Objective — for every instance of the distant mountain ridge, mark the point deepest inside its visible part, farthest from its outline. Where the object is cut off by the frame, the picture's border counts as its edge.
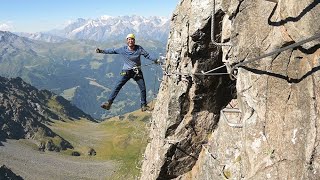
(108, 28)
(42, 36)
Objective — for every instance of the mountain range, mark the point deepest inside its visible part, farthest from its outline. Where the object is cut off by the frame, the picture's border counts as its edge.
(108, 28)
(68, 65)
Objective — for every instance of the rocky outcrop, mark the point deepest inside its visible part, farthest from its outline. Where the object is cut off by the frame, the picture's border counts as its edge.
(25, 111)
(275, 135)
(6, 173)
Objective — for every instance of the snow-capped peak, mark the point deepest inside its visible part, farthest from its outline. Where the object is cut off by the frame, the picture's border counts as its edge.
(105, 17)
(116, 27)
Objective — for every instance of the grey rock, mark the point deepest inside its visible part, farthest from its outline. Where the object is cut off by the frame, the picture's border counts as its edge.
(75, 153)
(278, 96)
(92, 152)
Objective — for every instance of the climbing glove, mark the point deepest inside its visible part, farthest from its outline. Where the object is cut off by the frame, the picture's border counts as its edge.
(99, 50)
(160, 60)
(157, 61)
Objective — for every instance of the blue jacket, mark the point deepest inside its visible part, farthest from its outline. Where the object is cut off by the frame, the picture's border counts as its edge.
(131, 58)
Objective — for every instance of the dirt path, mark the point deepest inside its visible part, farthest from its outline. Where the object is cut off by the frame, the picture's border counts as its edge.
(31, 164)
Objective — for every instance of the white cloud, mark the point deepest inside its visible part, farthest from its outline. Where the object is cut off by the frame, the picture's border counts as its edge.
(7, 26)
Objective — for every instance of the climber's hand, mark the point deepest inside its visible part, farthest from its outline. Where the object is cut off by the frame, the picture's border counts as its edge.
(157, 61)
(99, 50)
(160, 60)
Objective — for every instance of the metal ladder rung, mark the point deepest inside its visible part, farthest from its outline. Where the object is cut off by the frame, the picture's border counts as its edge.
(232, 110)
(275, 1)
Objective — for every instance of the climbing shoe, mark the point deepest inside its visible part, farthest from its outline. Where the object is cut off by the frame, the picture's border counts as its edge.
(106, 105)
(145, 108)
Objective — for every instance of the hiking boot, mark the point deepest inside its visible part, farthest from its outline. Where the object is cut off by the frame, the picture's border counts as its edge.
(145, 108)
(106, 105)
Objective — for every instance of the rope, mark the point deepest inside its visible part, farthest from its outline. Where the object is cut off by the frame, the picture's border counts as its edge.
(212, 27)
(197, 74)
(202, 73)
(277, 51)
(213, 69)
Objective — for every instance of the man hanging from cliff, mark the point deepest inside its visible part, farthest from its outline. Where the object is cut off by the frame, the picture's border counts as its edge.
(131, 69)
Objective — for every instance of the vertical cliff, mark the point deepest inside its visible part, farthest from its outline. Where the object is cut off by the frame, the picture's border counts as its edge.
(262, 125)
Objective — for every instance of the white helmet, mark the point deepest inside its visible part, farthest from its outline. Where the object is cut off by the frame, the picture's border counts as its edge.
(131, 36)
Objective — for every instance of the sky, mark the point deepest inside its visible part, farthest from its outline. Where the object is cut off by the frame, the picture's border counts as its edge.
(43, 15)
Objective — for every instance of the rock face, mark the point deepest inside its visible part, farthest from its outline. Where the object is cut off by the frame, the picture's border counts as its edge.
(263, 125)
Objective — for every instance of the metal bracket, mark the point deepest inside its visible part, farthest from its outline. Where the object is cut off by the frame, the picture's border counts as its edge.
(275, 1)
(231, 110)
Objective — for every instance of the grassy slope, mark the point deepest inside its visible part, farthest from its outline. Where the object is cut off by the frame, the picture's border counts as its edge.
(114, 139)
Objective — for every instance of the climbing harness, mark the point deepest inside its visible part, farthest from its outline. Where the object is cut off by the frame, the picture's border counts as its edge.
(136, 69)
(123, 73)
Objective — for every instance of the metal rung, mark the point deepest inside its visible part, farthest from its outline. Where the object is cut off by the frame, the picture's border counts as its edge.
(275, 1)
(235, 125)
(235, 110)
